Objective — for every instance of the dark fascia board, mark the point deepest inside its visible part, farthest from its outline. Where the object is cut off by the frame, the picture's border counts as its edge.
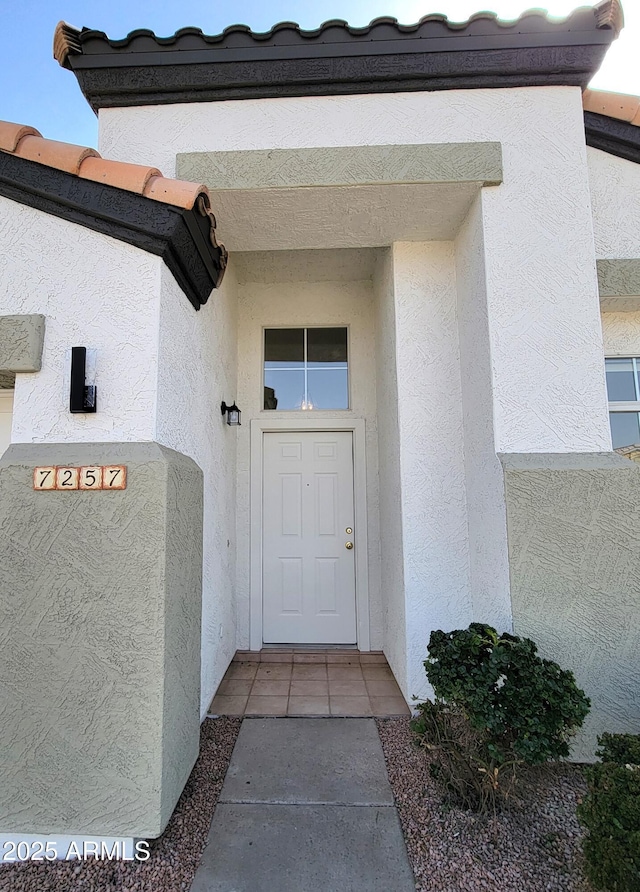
(434, 54)
(182, 238)
(613, 136)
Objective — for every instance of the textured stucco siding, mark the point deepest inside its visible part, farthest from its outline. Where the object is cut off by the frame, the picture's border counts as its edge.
(618, 278)
(484, 485)
(574, 550)
(196, 372)
(391, 495)
(291, 298)
(621, 333)
(94, 292)
(430, 434)
(344, 166)
(21, 341)
(615, 200)
(99, 642)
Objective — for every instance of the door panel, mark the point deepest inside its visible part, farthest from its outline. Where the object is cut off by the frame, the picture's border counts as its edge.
(308, 574)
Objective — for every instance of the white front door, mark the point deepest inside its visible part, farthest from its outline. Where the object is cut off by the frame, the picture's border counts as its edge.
(308, 570)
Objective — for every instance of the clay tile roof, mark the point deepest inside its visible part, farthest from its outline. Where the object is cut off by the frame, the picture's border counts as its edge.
(25, 142)
(613, 105)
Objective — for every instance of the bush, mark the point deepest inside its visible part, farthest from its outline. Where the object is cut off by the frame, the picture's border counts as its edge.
(611, 815)
(498, 706)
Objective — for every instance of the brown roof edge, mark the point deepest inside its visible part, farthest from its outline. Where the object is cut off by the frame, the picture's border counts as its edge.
(26, 142)
(485, 52)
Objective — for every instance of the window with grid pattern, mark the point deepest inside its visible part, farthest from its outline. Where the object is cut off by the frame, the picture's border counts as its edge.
(623, 390)
(306, 368)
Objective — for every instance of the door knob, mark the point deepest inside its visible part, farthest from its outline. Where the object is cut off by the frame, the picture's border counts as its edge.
(348, 545)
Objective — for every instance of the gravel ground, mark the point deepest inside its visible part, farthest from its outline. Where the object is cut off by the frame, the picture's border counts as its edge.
(532, 846)
(174, 857)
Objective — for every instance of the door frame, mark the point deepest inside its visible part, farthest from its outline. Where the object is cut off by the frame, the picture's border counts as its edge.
(260, 427)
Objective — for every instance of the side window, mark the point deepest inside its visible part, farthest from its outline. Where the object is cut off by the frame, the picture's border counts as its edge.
(306, 368)
(623, 393)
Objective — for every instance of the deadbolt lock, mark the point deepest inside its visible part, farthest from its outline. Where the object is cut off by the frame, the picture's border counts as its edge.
(348, 531)
(348, 545)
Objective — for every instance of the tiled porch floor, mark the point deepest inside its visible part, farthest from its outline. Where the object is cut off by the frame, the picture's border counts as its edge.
(311, 683)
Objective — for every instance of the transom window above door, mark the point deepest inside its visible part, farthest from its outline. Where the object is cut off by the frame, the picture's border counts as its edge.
(623, 390)
(306, 368)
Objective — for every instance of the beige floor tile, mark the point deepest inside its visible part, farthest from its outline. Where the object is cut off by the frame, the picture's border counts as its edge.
(276, 657)
(309, 670)
(376, 670)
(344, 672)
(274, 670)
(308, 706)
(222, 705)
(235, 687)
(389, 706)
(309, 687)
(247, 656)
(350, 706)
(347, 687)
(242, 670)
(343, 660)
(266, 706)
(309, 658)
(373, 657)
(382, 687)
(270, 687)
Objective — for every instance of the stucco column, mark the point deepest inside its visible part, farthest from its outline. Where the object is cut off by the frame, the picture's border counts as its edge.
(430, 466)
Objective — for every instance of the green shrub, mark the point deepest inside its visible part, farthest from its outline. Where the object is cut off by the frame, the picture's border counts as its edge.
(498, 706)
(610, 814)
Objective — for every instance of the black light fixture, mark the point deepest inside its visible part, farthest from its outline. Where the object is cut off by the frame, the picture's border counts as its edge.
(83, 396)
(232, 413)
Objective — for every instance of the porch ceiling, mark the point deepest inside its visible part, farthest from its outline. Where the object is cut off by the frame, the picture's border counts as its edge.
(340, 217)
(343, 196)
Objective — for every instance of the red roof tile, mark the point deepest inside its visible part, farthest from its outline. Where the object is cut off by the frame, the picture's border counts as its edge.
(26, 142)
(621, 106)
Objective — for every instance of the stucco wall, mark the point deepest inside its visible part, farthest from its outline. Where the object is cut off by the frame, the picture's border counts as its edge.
(282, 297)
(549, 392)
(430, 433)
(196, 372)
(615, 199)
(391, 495)
(488, 556)
(574, 547)
(95, 292)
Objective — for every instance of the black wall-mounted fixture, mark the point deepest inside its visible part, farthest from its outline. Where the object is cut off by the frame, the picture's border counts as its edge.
(232, 413)
(83, 397)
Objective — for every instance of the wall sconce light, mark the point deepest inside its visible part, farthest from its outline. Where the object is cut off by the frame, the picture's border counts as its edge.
(83, 396)
(232, 413)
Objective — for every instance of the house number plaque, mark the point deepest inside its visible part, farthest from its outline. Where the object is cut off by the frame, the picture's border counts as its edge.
(91, 477)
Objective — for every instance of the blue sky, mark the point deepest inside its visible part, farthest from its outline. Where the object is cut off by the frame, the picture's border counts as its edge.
(35, 90)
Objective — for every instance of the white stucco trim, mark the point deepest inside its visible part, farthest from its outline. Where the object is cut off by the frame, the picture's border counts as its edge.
(260, 426)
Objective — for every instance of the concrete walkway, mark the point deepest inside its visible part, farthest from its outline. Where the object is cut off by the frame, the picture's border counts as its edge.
(306, 806)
